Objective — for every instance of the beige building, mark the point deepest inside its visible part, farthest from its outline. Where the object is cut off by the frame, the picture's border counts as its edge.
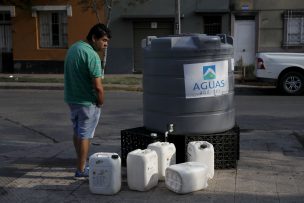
(266, 26)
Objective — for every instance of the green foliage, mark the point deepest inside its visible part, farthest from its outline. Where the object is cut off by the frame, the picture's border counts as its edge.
(249, 72)
(31, 79)
(91, 4)
(116, 80)
(135, 2)
(122, 80)
(245, 72)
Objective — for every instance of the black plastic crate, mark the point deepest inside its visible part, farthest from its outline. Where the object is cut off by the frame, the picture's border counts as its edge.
(137, 138)
(226, 147)
(226, 144)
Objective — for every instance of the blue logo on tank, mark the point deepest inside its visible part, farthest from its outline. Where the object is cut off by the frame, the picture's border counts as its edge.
(209, 72)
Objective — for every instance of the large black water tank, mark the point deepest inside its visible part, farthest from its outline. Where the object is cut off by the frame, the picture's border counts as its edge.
(188, 81)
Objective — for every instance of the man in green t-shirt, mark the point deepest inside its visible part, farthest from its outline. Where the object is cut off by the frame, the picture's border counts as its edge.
(83, 90)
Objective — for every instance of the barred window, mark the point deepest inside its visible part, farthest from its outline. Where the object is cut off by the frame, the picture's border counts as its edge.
(53, 29)
(294, 28)
(212, 25)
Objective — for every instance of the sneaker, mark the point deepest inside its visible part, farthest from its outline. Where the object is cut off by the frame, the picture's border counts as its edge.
(81, 175)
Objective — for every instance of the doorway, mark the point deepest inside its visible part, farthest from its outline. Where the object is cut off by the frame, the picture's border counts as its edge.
(244, 42)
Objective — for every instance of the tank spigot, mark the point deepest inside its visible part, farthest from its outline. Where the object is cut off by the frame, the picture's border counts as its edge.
(153, 135)
(170, 129)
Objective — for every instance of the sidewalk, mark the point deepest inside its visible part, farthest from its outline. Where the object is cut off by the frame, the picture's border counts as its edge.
(15, 83)
(270, 169)
(59, 86)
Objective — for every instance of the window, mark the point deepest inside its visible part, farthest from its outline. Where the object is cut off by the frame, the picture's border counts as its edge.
(5, 18)
(212, 25)
(294, 28)
(5, 32)
(53, 29)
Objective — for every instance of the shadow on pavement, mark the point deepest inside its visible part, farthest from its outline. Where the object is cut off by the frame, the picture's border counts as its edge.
(256, 90)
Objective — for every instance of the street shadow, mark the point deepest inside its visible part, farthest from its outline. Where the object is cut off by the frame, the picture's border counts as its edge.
(159, 194)
(256, 90)
(269, 122)
(22, 167)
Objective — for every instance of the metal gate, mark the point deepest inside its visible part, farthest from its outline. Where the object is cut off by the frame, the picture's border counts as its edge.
(6, 55)
(141, 30)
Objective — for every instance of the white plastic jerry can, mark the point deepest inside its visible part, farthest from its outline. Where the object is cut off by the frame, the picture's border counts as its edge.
(186, 177)
(142, 169)
(203, 152)
(105, 173)
(166, 153)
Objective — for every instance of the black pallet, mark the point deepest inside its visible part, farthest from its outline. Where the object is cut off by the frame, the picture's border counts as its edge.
(137, 138)
(226, 144)
(226, 147)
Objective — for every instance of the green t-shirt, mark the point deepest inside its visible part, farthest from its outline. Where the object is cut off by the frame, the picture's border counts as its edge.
(81, 65)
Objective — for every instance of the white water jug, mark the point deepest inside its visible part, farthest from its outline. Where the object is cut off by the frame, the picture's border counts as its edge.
(105, 173)
(166, 154)
(142, 169)
(203, 152)
(186, 177)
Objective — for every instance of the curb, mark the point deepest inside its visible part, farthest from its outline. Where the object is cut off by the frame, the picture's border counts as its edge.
(136, 88)
(59, 86)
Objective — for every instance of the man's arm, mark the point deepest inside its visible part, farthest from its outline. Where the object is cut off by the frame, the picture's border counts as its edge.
(99, 90)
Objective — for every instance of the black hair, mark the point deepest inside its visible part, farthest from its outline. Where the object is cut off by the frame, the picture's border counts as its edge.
(99, 30)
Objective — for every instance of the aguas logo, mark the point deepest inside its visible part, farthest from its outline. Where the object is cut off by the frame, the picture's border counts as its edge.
(206, 79)
(209, 80)
(209, 72)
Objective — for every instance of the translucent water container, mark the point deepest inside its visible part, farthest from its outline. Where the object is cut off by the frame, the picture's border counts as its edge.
(166, 153)
(186, 177)
(203, 152)
(105, 173)
(142, 169)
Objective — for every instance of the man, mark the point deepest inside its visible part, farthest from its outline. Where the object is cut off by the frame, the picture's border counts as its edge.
(83, 90)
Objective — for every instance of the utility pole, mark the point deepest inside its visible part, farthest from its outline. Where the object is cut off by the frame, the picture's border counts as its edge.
(177, 22)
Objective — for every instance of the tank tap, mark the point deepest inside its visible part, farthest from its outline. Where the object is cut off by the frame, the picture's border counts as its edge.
(170, 129)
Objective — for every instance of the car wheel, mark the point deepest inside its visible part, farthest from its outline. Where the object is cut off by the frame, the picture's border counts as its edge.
(292, 83)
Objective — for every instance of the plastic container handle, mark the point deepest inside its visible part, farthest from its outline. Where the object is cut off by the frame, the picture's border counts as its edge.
(203, 146)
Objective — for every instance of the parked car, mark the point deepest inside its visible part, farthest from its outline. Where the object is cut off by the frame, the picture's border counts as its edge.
(285, 69)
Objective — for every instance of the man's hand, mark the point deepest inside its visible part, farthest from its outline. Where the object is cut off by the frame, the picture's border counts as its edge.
(97, 83)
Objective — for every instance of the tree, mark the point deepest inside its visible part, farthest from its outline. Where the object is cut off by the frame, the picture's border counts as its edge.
(23, 4)
(95, 6)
